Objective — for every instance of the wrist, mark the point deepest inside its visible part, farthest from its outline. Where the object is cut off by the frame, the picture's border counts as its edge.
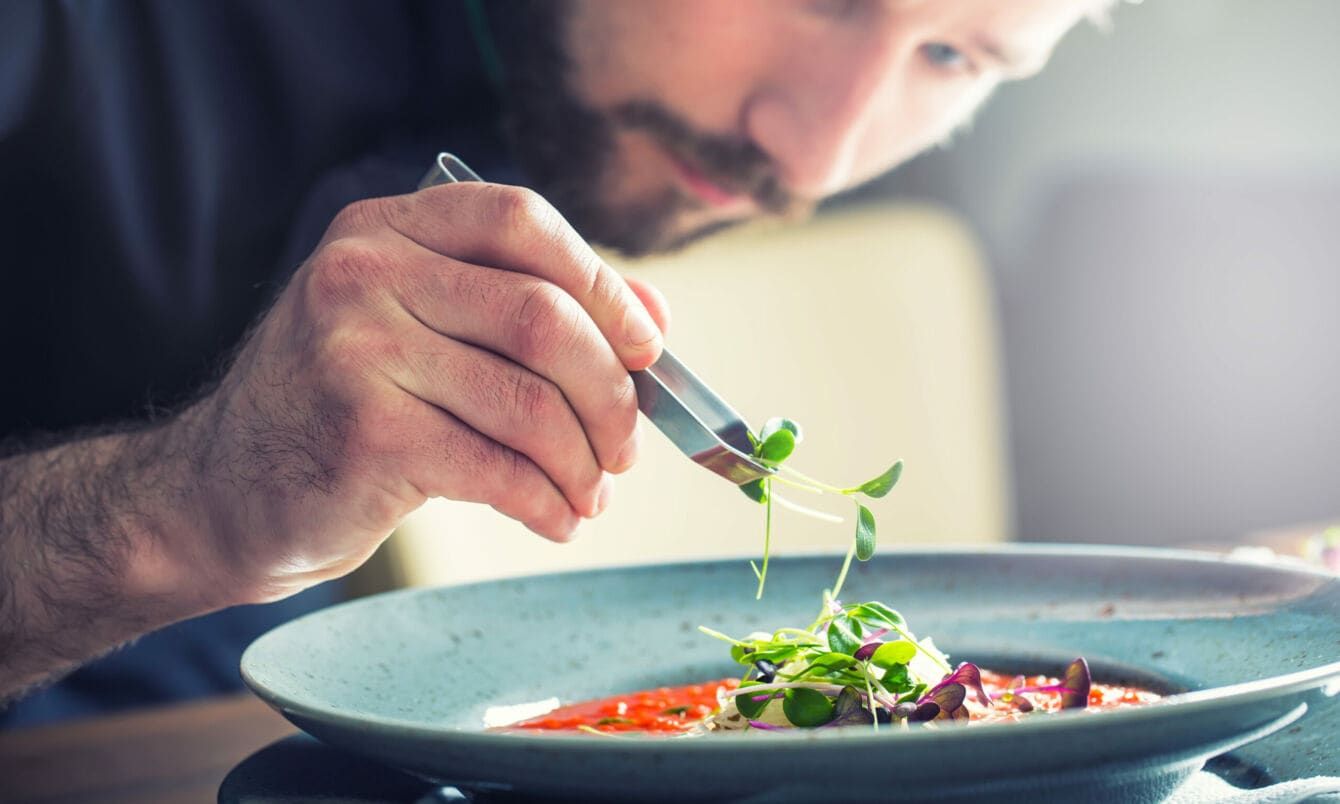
(166, 517)
(96, 550)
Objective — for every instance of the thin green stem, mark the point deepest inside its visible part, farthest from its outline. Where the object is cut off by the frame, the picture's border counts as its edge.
(800, 509)
(796, 485)
(870, 701)
(846, 565)
(721, 636)
(809, 635)
(767, 538)
(804, 478)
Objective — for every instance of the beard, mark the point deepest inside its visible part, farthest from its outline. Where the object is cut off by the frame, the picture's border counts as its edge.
(568, 149)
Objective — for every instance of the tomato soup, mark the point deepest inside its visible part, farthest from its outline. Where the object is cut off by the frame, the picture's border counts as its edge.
(676, 710)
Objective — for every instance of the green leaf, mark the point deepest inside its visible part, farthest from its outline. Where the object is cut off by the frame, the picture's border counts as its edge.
(807, 708)
(754, 490)
(915, 693)
(827, 663)
(840, 636)
(881, 485)
(748, 706)
(609, 721)
(865, 533)
(677, 710)
(898, 678)
(877, 613)
(891, 654)
(777, 424)
(778, 446)
(777, 654)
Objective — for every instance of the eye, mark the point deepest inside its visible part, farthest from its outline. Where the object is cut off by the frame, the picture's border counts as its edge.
(942, 55)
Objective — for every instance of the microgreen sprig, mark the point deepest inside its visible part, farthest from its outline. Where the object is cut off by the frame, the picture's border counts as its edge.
(772, 446)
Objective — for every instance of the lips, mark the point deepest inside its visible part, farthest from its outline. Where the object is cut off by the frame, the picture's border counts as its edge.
(710, 192)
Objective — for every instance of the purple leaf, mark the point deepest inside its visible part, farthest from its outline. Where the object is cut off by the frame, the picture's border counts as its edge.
(1077, 682)
(928, 710)
(949, 697)
(849, 710)
(966, 677)
(969, 676)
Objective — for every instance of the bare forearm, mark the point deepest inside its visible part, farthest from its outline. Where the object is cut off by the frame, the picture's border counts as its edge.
(90, 552)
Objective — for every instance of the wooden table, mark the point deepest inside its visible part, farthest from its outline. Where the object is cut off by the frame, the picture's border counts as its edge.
(154, 756)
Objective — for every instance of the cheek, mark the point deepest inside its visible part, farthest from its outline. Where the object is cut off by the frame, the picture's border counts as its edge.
(923, 115)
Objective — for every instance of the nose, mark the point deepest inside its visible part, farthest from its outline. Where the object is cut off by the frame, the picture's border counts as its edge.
(812, 114)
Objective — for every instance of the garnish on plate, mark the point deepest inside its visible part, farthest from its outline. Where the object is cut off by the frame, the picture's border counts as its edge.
(859, 665)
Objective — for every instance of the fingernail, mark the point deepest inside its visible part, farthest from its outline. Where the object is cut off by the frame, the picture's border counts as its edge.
(628, 456)
(639, 328)
(605, 494)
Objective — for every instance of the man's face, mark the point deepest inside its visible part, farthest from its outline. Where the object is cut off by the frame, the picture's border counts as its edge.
(675, 118)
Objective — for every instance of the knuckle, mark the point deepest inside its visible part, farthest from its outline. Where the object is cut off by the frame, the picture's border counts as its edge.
(624, 401)
(478, 288)
(534, 401)
(504, 475)
(345, 270)
(604, 288)
(516, 470)
(546, 323)
(521, 209)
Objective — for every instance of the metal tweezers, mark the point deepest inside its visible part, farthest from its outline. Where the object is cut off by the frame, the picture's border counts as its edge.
(691, 415)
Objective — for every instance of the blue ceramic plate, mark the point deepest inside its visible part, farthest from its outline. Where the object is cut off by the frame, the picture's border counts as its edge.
(406, 677)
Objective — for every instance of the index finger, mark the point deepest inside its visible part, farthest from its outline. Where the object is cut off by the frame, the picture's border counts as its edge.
(513, 228)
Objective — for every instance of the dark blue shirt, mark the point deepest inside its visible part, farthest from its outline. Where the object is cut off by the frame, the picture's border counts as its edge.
(164, 166)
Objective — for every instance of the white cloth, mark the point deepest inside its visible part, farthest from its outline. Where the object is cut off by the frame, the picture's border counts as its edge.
(1206, 788)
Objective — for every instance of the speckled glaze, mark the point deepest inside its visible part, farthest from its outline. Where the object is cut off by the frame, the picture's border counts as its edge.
(405, 677)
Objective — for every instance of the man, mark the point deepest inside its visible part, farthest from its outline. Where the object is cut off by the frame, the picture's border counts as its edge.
(166, 165)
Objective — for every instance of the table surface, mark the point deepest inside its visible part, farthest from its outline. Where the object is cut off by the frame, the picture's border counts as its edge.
(169, 754)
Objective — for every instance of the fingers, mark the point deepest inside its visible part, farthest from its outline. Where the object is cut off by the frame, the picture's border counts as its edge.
(536, 325)
(652, 299)
(502, 401)
(482, 470)
(515, 229)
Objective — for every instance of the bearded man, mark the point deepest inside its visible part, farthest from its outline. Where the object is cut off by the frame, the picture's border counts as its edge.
(175, 170)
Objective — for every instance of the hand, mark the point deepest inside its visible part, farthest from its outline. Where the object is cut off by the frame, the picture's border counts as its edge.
(461, 342)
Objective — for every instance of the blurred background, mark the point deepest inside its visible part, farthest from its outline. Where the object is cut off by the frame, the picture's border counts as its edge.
(1159, 212)
(1107, 312)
